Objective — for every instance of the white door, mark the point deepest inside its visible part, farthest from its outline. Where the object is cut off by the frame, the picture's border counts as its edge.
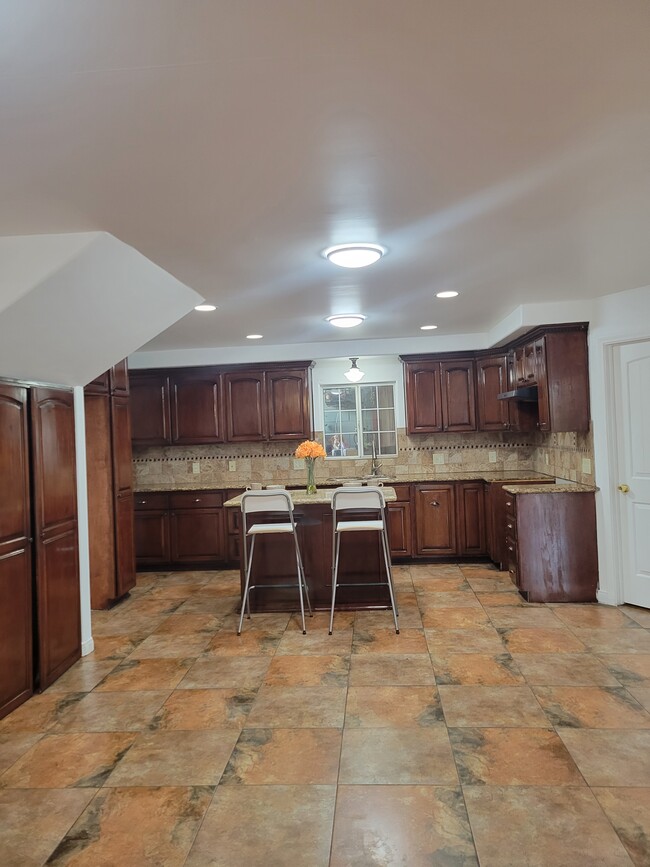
(634, 470)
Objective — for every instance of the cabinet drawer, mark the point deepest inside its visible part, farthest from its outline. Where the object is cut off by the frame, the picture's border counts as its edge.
(196, 500)
(511, 527)
(150, 501)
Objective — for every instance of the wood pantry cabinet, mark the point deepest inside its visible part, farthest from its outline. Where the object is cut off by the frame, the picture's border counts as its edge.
(39, 562)
(204, 405)
(180, 530)
(110, 488)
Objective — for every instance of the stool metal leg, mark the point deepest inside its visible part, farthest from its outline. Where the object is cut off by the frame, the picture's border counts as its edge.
(389, 576)
(300, 581)
(336, 547)
(245, 603)
(304, 581)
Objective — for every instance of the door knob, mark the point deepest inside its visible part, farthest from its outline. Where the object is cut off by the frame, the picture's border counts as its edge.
(624, 488)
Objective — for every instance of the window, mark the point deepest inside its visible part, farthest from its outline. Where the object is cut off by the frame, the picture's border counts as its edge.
(356, 416)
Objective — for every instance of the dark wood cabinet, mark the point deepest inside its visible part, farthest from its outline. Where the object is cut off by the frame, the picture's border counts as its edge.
(198, 405)
(197, 532)
(180, 530)
(246, 414)
(435, 519)
(233, 530)
(150, 408)
(470, 517)
(440, 395)
(399, 523)
(55, 530)
(499, 527)
(492, 380)
(110, 493)
(552, 551)
(119, 379)
(16, 634)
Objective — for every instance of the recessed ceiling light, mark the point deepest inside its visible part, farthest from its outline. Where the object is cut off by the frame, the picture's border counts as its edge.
(205, 308)
(427, 327)
(448, 293)
(254, 336)
(354, 255)
(346, 320)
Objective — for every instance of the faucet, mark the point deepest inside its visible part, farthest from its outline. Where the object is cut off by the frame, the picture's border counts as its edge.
(375, 465)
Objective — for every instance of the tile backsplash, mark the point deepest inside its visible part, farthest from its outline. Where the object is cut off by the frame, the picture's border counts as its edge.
(564, 455)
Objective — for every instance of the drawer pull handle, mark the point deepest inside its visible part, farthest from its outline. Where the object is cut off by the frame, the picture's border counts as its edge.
(508, 502)
(434, 503)
(510, 548)
(511, 571)
(142, 502)
(509, 526)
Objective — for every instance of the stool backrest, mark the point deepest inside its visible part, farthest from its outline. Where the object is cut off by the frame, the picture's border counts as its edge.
(266, 501)
(360, 497)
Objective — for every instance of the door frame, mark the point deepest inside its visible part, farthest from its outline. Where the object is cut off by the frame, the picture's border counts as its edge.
(618, 555)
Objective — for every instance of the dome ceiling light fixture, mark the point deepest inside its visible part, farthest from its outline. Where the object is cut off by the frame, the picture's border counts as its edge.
(354, 374)
(254, 336)
(346, 320)
(205, 308)
(427, 327)
(448, 293)
(354, 255)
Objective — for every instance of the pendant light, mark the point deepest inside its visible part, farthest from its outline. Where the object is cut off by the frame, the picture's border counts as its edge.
(354, 374)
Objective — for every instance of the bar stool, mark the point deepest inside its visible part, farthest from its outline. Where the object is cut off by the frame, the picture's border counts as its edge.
(281, 505)
(365, 498)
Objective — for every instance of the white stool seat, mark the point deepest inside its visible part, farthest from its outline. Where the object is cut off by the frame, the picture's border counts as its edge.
(269, 528)
(356, 499)
(351, 526)
(277, 503)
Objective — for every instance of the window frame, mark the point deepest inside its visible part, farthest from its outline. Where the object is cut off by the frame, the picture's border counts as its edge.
(358, 410)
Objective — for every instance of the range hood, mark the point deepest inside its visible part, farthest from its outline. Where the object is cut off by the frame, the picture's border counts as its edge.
(524, 393)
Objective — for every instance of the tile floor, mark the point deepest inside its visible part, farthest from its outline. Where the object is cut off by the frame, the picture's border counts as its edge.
(488, 732)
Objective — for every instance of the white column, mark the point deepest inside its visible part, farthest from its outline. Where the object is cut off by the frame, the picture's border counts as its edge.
(87, 644)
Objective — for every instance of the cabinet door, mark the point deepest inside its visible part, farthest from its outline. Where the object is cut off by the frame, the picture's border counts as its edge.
(287, 393)
(435, 519)
(399, 529)
(197, 415)
(100, 385)
(542, 385)
(197, 536)
(16, 676)
(124, 544)
(150, 413)
(151, 530)
(423, 397)
(470, 502)
(119, 378)
(55, 525)
(245, 400)
(458, 395)
(123, 496)
(492, 380)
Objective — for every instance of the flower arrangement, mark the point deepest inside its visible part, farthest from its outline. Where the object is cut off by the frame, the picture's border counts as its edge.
(310, 450)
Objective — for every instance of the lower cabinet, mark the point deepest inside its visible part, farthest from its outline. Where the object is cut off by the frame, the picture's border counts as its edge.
(470, 517)
(399, 523)
(551, 547)
(180, 530)
(435, 519)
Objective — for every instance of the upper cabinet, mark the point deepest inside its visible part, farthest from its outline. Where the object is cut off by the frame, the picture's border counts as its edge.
(440, 395)
(442, 391)
(215, 404)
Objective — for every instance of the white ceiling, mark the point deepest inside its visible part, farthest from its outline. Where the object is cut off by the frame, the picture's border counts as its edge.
(498, 147)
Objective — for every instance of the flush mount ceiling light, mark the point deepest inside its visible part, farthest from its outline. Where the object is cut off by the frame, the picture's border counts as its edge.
(346, 320)
(427, 327)
(354, 374)
(448, 293)
(354, 255)
(205, 308)
(254, 336)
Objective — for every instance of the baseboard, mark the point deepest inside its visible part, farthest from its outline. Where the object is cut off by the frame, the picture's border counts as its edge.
(606, 598)
(87, 647)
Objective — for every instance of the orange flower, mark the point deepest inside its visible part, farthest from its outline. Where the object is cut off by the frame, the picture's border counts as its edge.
(310, 449)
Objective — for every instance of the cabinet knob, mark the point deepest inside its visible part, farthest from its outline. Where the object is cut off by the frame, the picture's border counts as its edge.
(434, 503)
(197, 500)
(508, 502)
(531, 376)
(509, 526)
(142, 502)
(510, 548)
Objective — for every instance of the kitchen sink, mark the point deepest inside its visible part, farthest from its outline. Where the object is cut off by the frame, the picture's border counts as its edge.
(364, 480)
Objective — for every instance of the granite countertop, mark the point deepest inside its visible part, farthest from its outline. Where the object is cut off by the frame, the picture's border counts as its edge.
(550, 489)
(320, 498)
(502, 476)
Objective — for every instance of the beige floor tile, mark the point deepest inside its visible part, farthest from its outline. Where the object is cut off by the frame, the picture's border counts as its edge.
(298, 707)
(297, 757)
(541, 826)
(266, 826)
(392, 707)
(480, 669)
(563, 669)
(308, 671)
(145, 674)
(631, 669)
(610, 758)
(454, 618)
(111, 712)
(241, 672)
(13, 745)
(629, 812)
(388, 641)
(204, 710)
(596, 707)
(490, 706)
(387, 669)
(411, 825)
(523, 640)
(482, 639)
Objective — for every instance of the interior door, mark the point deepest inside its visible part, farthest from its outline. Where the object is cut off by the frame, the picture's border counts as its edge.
(634, 470)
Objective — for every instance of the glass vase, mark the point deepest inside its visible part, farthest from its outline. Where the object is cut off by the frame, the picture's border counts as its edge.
(311, 483)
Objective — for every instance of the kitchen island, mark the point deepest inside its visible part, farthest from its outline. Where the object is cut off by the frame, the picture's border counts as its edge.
(361, 560)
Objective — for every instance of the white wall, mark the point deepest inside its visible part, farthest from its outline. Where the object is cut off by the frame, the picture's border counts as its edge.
(617, 318)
